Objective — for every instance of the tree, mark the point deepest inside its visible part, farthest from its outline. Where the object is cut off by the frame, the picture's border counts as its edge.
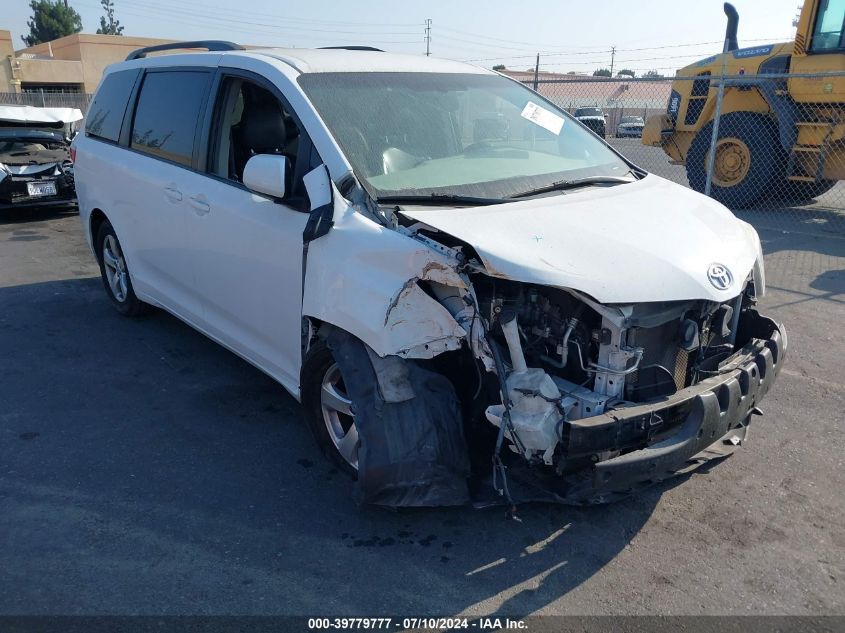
(625, 72)
(653, 74)
(108, 25)
(50, 21)
(499, 67)
(602, 72)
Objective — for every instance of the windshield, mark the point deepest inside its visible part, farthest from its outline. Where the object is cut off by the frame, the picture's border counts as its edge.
(631, 119)
(456, 134)
(588, 112)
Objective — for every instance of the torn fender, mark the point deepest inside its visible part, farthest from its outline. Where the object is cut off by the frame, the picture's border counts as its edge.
(412, 451)
(364, 278)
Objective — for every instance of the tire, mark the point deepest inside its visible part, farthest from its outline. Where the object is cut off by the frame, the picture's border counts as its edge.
(115, 273)
(796, 191)
(323, 397)
(749, 145)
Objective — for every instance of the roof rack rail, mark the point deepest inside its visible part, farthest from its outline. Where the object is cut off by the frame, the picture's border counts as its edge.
(353, 48)
(209, 45)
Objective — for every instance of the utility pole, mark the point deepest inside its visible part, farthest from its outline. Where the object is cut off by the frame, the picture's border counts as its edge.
(537, 72)
(612, 58)
(428, 37)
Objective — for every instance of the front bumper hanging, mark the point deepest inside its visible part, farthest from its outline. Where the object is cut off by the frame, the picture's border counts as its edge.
(705, 421)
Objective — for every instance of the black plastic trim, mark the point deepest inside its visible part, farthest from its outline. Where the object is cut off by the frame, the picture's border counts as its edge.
(209, 45)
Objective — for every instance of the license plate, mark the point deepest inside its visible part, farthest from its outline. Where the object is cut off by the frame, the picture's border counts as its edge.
(35, 189)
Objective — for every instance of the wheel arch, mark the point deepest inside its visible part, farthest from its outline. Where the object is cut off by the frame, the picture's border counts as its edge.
(95, 221)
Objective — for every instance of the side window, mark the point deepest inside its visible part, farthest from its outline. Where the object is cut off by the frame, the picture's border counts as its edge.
(251, 120)
(827, 34)
(167, 113)
(106, 112)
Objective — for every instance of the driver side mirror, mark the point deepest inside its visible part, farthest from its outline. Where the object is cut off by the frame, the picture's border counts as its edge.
(267, 174)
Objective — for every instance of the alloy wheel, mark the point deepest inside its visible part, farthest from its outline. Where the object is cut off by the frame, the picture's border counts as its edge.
(338, 415)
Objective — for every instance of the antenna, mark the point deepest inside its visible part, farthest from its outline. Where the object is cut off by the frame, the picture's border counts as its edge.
(428, 37)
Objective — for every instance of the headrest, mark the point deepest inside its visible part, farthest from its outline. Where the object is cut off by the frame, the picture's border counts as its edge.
(263, 128)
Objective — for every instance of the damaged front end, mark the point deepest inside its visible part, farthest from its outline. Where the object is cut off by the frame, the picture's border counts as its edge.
(35, 170)
(469, 386)
(603, 400)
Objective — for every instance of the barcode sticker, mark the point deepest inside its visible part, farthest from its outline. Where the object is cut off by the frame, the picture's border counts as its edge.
(542, 117)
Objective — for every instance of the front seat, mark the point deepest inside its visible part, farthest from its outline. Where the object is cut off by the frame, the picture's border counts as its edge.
(262, 130)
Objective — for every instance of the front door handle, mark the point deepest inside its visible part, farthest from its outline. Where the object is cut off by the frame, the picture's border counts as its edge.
(200, 205)
(173, 194)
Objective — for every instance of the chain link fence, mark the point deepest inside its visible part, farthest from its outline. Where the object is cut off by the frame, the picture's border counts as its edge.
(46, 99)
(778, 161)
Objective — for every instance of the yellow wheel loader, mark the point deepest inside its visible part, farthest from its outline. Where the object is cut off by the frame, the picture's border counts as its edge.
(781, 133)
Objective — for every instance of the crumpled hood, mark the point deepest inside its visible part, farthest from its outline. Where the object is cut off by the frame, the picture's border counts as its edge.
(28, 171)
(650, 240)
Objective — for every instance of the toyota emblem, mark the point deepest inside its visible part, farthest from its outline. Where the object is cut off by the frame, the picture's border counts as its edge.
(720, 276)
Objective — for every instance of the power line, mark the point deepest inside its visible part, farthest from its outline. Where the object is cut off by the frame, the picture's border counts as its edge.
(265, 22)
(262, 15)
(618, 50)
(262, 29)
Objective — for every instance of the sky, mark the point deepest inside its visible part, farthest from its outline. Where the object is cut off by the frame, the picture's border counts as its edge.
(570, 35)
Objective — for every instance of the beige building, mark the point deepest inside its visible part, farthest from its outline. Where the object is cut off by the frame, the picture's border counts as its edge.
(69, 64)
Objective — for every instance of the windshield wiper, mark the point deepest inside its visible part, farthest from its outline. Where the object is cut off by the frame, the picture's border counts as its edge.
(562, 185)
(439, 198)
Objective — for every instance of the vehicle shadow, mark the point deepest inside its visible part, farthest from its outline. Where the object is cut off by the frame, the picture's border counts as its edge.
(34, 214)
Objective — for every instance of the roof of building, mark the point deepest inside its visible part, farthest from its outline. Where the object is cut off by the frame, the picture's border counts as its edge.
(573, 91)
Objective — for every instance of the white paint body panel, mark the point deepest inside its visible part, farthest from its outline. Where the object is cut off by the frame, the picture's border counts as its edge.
(357, 279)
(313, 60)
(33, 115)
(650, 240)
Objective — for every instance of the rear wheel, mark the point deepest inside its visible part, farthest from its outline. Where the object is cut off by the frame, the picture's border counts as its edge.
(328, 408)
(745, 162)
(115, 273)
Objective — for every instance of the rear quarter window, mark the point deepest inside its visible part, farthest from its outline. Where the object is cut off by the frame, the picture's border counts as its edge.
(105, 115)
(168, 113)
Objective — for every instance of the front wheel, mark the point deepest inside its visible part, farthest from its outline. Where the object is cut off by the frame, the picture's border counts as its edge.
(746, 158)
(328, 408)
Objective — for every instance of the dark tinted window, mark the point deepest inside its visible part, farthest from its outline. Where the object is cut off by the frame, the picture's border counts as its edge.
(106, 112)
(167, 113)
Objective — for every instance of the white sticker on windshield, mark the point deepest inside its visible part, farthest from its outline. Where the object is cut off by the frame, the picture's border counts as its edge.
(542, 117)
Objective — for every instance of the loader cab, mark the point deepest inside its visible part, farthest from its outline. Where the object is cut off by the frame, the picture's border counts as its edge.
(827, 34)
(819, 48)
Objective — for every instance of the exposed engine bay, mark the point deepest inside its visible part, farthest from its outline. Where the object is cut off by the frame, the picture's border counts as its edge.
(567, 361)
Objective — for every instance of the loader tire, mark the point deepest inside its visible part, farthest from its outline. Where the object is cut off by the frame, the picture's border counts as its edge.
(746, 159)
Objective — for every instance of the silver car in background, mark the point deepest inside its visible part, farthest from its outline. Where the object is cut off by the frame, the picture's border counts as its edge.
(630, 127)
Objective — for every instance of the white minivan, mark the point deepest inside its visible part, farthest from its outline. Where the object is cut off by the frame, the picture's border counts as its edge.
(459, 281)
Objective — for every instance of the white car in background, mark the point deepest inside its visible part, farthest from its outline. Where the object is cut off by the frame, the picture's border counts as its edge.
(458, 281)
(36, 170)
(630, 127)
